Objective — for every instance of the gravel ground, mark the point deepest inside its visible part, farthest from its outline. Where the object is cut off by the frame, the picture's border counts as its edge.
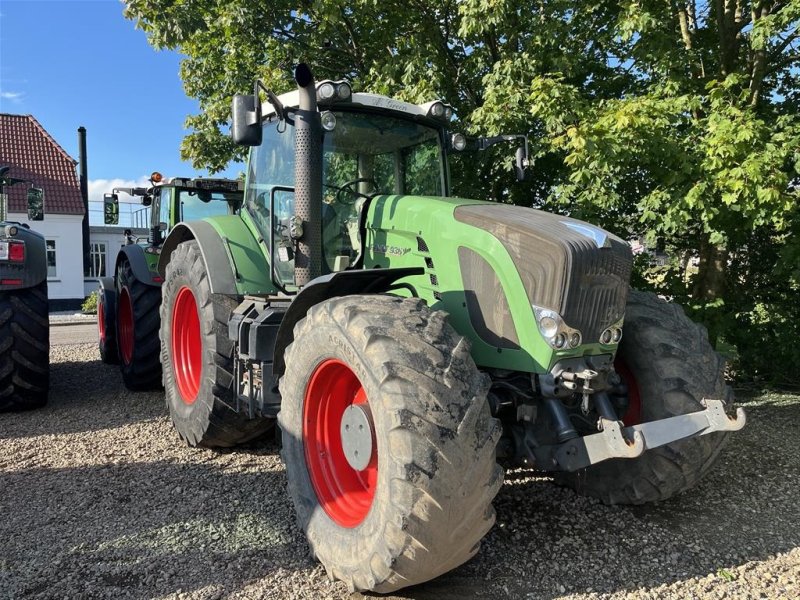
(99, 499)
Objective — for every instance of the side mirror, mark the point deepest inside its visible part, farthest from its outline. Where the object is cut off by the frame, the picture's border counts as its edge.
(110, 209)
(35, 204)
(246, 125)
(520, 163)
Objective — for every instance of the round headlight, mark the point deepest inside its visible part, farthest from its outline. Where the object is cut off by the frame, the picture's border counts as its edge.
(448, 112)
(575, 340)
(616, 335)
(605, 337)
(458, 141)
(12, 230)
(560, 341)
(326, 91)
(548, 326)
(328, 120)
(343, 91)
(437, 110)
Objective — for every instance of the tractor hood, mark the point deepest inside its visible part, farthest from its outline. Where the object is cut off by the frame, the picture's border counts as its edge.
(574, 268)
(490, 266)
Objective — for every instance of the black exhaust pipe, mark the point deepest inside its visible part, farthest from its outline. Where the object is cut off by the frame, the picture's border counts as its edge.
(84, 184)
(308, 178)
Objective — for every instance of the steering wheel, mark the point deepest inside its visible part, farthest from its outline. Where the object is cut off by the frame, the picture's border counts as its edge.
(349, 188)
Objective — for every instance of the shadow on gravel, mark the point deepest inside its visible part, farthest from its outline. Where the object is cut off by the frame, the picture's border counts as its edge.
(144, 529)
(550, 542)
(78, 389)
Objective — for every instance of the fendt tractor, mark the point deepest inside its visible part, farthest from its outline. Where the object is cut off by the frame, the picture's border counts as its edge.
(128, 303)
(24, 318)
(406, 340)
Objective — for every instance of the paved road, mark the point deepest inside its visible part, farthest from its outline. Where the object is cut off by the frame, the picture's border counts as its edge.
(73, 334)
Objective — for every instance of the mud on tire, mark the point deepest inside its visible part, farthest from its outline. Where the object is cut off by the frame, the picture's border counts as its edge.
(209, 419)
(24, 348)
(674, 367)
(139, 364)
(434, 437)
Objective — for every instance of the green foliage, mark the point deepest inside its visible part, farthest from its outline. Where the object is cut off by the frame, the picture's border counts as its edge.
(675, 121)
(89, 306)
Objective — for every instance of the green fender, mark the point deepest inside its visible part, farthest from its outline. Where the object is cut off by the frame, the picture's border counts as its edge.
(235, 261)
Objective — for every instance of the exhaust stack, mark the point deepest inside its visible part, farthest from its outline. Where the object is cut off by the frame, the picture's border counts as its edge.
(308, 178)
(84, 183)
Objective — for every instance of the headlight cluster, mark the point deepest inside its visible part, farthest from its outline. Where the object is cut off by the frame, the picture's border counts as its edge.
(438, 110)
(331, 91)
(612, 334)
(558, 334)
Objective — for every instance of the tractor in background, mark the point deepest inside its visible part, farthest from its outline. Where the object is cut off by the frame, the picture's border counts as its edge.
(128, 303)
(24, 315)
(406, 339)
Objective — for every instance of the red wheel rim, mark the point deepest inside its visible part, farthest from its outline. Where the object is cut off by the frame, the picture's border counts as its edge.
(101, 320)
(344, 493)
(187, 346)
(125, 321)
(633, 416)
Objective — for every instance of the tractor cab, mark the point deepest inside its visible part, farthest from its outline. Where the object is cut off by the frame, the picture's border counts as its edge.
(371, 146)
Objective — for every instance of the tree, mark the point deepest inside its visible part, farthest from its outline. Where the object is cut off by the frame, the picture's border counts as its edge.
(677, 120)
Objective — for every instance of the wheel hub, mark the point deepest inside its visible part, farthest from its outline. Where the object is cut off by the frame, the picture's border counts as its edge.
(357, 436)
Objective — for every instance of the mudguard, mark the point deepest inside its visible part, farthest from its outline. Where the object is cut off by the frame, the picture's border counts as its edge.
(134, 254)
(341, 283)
(234, 262)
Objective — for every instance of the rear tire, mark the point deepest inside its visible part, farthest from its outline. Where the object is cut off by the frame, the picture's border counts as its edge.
(107, 328)
(137, 331)
(197, 357)
(423, 504)
(670, 366)
(24, 348)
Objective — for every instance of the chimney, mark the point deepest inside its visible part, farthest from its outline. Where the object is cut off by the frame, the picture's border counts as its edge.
(84, 181)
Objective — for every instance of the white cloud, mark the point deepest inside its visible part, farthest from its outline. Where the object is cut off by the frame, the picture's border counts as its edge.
(15, 97)
(98, 187)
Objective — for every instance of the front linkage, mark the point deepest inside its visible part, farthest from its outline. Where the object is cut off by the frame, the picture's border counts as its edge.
(601, 388)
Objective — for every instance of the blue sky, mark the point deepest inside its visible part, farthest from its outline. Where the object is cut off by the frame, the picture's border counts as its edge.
(79, 62)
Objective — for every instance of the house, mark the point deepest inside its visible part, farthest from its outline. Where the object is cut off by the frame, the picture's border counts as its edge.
(104, 245)
(31, 153)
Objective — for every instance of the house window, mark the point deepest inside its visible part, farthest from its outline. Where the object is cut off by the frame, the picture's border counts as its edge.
(97, 258)
(51, 258)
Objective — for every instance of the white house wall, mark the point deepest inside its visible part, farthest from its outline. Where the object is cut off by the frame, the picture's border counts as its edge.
(68, 235)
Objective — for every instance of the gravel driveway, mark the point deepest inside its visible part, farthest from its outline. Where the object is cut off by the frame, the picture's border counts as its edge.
(99, 499)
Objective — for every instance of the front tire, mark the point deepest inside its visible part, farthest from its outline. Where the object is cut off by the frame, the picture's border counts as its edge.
(197, 357)
(24, 348)
(423, 502)
(669, 367)
(137, 330)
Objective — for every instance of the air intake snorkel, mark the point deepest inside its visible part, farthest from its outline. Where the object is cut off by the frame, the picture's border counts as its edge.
(308, 178)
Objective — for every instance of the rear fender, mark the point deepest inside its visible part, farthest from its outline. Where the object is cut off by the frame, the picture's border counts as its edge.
(341, 283)
(136, 258)
(33, 270)
(233, 258)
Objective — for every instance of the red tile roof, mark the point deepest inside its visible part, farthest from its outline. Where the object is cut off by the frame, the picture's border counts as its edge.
(32, 154)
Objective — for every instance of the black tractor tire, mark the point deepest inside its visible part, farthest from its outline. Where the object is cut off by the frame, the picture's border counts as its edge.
(674, 367)
(24, 348)
(434, 437)
(137, 339)
(208, 418)
(107, 330)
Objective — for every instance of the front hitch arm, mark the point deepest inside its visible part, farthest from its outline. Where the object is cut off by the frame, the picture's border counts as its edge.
(616, 441)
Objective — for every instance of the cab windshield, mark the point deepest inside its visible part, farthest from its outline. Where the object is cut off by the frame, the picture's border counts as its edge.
(363, 156)
(199, 204)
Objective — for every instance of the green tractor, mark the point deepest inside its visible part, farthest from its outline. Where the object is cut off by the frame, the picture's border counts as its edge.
(128, 302)
(406, 339)
(24, 318)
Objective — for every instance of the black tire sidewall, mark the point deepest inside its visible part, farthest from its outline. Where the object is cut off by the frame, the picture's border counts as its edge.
(323, 343)
(184, 272)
